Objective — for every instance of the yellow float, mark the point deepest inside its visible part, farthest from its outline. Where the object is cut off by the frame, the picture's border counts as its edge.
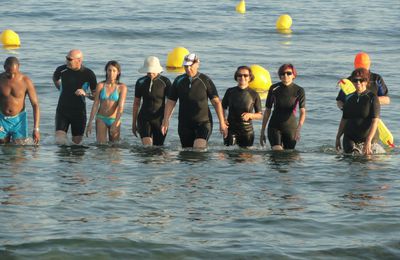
(175, 59)
(241, 7)
(284, 23)
(9, 38)
(262, 80)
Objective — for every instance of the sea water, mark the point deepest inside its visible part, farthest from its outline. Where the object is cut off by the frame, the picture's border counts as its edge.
(128, 202)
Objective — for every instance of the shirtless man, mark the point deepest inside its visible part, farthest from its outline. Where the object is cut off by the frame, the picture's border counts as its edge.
(14, 86)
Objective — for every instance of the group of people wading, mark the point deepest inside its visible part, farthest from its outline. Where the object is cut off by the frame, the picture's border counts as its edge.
(155, 99)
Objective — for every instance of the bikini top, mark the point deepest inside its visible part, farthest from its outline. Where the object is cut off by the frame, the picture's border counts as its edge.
(114, 96)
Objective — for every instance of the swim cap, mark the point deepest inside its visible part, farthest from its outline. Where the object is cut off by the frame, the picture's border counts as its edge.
(362, 61)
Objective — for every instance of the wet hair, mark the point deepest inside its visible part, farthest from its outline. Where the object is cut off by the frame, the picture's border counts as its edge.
(10, 61)
(246, 68)
(285, 67)
(360, 73)
(114, 64)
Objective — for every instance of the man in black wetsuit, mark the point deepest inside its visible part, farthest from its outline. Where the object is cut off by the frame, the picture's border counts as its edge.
(153, 89)
(74, 82)
(193, 89)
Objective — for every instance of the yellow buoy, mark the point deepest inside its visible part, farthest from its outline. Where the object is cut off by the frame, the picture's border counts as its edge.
(175, 59)
(241, 7)
(284, 22)
(262, 80)
(10, 38)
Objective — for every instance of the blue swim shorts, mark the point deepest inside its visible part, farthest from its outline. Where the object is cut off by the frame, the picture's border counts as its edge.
(14, 126)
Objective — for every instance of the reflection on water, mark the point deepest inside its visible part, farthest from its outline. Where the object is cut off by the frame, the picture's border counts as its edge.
(281, 160)
(71, 154)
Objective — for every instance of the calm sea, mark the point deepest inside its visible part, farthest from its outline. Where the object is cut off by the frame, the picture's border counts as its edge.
(129, 202)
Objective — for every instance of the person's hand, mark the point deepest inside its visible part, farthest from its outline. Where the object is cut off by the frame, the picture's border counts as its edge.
(164, 126)
(223, 128)
(80, 92)
(297, 134)
(263, 140)
(367, 149)
(247, 116)
(338, 145)
(134, 130)
(88, 129)
(36, 136)
(114, 127)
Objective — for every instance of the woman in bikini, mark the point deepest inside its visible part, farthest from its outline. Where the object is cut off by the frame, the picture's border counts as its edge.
(108, 103)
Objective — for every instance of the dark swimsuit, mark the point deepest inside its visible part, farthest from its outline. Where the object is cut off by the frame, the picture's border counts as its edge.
(282, 125)
(240, 101)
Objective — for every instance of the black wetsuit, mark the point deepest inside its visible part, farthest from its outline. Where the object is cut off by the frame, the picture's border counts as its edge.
(195, 120)
(376, 85)
(151, 111)
(282, 125)
(71, 109)
(240, 101)
(359, 110)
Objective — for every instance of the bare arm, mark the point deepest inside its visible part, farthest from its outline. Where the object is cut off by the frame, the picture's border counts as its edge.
(384, 100)
(57, 83)
(340, 133)
(136, 105)
(372, 130)
(36, 110)
(216, 102)
(266, 116)
(121, 102)
(301, 122)
(95, 107)
(169, 108)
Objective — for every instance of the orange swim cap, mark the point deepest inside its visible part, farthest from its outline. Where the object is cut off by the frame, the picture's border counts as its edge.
(362, 61)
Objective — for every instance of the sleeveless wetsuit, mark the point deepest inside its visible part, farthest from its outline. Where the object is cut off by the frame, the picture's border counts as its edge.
(151, 111)
(282, 125)
(71, 109)
(359, 110)
(240, 101)
(195, 120)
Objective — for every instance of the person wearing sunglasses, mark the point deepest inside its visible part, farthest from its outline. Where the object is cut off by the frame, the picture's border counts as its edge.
(152, 88)
(244, 105)
(376, 83)
(75, 82)
(193, 89)
(108, 105)
(284, 97)
(360, 117)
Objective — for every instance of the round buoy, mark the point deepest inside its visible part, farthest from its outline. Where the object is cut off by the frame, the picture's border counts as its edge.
(10, 38)
(284, 22)
(241, 7)
(262, 80)
(175, 59)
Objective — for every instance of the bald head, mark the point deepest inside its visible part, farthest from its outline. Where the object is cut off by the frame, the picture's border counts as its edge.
(74, 59)
(76, 54)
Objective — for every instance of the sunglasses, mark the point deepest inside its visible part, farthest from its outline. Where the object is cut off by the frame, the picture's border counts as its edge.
(70, 59)
(242, 75)
(288, 73)
(358, 80)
